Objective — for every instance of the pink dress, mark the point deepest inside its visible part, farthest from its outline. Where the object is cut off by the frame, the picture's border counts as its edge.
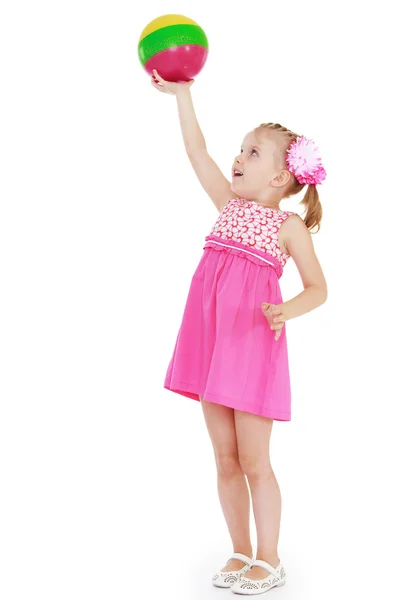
(225, 350)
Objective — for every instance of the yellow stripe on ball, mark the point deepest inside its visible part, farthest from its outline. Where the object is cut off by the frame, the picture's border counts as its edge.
(165, 21)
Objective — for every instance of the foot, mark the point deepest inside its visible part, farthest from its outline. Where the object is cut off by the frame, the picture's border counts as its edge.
(235, 564)
(257, 572)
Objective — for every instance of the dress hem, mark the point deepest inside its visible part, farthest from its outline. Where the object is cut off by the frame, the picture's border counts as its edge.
(190, 391)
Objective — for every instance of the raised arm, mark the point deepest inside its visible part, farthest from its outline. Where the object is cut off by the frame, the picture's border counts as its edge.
(217, 186)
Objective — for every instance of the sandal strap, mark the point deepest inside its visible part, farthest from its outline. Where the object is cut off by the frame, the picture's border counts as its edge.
(242, 557)
(267, 566)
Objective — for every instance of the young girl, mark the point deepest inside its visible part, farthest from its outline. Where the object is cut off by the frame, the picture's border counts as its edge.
(231, 352)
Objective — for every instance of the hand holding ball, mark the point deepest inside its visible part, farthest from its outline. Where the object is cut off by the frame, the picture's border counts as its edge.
(169, 87)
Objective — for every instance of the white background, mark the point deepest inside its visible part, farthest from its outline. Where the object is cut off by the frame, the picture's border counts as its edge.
(108, 481)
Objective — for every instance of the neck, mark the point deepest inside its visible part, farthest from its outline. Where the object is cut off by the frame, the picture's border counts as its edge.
(262, 204)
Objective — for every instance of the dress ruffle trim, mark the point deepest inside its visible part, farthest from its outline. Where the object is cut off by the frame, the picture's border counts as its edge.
(238, 249)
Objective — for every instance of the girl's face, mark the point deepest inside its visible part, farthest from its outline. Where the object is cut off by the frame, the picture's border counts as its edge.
(261, 177)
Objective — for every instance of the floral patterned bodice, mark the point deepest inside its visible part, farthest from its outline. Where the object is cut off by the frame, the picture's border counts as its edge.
(257, 226)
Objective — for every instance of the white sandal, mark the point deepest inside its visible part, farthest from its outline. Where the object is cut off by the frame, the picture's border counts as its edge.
(226, 578)
(276, 577)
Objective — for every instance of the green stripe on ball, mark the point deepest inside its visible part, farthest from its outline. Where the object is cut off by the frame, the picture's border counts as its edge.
(168, 37)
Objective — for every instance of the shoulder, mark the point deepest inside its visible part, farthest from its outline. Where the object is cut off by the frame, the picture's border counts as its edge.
(293, 230)
(300, 246)
(232, 198)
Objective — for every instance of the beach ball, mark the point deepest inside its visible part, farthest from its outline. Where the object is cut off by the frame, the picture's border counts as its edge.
(175, 46)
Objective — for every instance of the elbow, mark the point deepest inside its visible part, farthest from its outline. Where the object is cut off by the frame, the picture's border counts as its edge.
(324, 294)
(320, 294)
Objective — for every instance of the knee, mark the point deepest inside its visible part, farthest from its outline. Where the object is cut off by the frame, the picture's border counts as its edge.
(255, 468)
(227, 464)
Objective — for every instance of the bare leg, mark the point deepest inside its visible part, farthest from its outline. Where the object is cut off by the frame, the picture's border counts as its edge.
(232, 485)
(253, 436)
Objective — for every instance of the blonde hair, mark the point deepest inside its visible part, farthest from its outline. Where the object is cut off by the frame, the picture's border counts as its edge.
(283, 137)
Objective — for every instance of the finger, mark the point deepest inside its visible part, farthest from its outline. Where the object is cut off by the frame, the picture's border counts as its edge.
(153, 78)
(268, 317)
(279, 319)
(271, 309)
(164, 88)
(158, 76)
(157, 86)
(157, 79)
(160, 89)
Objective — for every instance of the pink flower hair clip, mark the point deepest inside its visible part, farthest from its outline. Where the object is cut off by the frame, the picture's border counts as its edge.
(304, 162)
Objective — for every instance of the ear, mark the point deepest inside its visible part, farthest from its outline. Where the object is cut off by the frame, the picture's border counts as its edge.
(282, 179)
